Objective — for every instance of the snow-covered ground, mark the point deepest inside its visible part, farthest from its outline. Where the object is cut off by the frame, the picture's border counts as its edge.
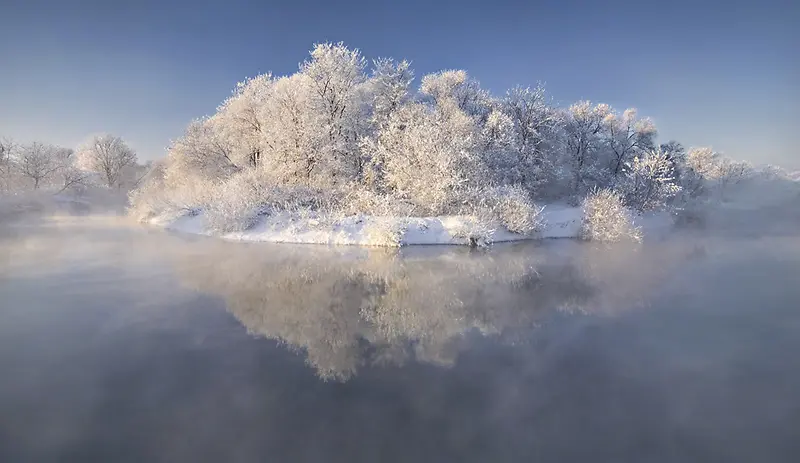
(558, 222)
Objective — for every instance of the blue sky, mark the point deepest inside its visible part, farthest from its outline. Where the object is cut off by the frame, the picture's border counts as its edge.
(720, 73)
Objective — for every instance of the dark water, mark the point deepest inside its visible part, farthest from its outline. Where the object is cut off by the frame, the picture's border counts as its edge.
(120, 343)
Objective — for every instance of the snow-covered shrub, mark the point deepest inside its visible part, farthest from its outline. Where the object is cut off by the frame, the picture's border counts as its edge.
(385, 232)
(236, 203)
(648, 183)
(146, 201)
(361, 201)
(605, 218)
(150, 198)
(513, 208)
(476, 231)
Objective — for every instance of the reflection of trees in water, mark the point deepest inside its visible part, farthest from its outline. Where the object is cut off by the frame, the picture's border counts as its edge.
(350, 307)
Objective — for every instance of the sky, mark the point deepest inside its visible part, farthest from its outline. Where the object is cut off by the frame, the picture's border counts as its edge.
(709, 73)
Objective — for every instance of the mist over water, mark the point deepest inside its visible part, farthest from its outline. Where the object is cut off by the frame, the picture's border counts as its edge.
(124, 343)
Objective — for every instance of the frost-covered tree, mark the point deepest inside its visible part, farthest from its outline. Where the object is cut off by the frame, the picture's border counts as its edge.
(536, 127)
(676, 154)
(583, 125)
(704, 161)
(291, 134)
(204, 151)
(708, 170)
(389, 88)
(455, 91)
(534, 121)
(431, 156)
(336, 77)
(69, 176)
(106, 155)
(674, 151)
(648, 182)
(241, 119)
(627, 137)
(7, 146)
(731, 173)
(38, 162)
(498, 143)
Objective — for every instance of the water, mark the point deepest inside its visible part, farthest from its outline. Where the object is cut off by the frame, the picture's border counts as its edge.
(119, 343)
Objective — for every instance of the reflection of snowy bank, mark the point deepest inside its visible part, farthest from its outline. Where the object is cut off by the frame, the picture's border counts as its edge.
(345, 308)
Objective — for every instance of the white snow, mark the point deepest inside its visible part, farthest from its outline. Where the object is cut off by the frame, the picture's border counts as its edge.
(558, 222)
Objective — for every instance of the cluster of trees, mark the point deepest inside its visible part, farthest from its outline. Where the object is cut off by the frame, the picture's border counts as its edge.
(103, 159)
(340, 128)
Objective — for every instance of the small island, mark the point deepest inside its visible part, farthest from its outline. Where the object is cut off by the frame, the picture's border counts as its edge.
(349, 152)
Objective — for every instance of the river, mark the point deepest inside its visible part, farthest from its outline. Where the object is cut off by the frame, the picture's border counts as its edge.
(124, 343)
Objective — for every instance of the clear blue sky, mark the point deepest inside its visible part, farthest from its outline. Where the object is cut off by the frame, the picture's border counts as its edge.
(720, 73)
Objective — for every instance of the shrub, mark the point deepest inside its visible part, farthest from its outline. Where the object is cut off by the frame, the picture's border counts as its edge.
(236, 203)
(512, 206)
(361, 201)
(385, 232)
(605, 218)
(476, 231)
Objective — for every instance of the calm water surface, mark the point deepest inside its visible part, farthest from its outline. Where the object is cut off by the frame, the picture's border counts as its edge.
(120, 343)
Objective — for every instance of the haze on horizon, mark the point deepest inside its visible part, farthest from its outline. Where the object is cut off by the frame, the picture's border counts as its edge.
(723, 74)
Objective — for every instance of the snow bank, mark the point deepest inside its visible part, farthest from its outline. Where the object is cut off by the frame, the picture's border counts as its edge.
(558, 222)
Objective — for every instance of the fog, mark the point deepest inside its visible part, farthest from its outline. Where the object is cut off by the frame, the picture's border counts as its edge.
(121, 342)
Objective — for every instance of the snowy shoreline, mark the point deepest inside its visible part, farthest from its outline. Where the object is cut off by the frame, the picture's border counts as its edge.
(362, 230)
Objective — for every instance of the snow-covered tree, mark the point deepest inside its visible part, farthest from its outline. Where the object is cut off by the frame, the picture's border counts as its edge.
(389, 87)
(536, 131)
(7, 146)
(38, 162)
(203, 151)
(534, 121)
(704, 161)
(648, 182)
(389, 90)
(627, 137)
(336, 77)
(674, 151)
(240, 119)
(69, 176)
(731, 173)
(498, 145)
(431, 156)
(291, 135)
(583, 125)
(454, 90)
(708, 170)
(106, 155)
